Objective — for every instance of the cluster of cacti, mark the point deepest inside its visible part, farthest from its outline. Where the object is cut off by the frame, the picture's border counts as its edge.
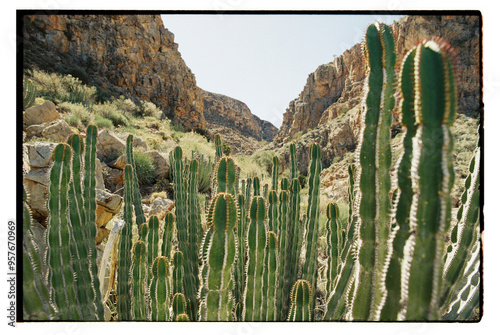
(391, 260)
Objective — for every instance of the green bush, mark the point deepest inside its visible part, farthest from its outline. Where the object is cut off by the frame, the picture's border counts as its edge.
(147, 108)
(109, 111)
(102, 122)
(144, 168)
(78, 111)
(126, 106)
(73, 121)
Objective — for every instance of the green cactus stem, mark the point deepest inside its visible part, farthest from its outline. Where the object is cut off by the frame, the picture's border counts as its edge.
(301, 298)
(178, 272)
(432, 179)
(275, 173)
(139, 275)
(143, 232)
(256, 244)
(218, 261)
(160, 289)
(60, 275)
(179, 306)
(374, 179)
(139, 213)
(284, 218)
(218, 148)
(333, 246)
(269, 281)
(153, 238)
(168, 233)
(239, 269)
(123, 304)
(29, 93)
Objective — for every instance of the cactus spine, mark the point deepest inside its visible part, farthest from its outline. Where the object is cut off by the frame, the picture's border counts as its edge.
(139, 276)
(29, 93)
(60, 275)
(178, 306)
(432, 178)
(160, 289)
(239, 270)
(301, 299)
(153, 238)
(275, 173)
(256, 243)
(219, 257)
(374, 179)
(283, 218)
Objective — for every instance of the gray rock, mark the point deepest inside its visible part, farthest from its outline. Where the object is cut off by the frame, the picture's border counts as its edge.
(109, 147)
(57, 131)
(161, 163)
(43, 113)
(139, 143)
(39, 154)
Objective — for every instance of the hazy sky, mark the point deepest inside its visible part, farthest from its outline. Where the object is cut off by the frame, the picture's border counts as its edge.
(263, 60)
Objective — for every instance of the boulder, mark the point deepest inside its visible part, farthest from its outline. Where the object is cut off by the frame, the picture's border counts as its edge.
(139, 143)
(161, 163)
(35, 130)
(57, 131)
(161, 206)
(108, 205)
(109, 147)
(119, 163)
(40, 154)
(43, 113)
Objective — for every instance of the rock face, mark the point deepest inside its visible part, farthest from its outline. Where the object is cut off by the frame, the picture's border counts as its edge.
(335, 90)
(132, 55)
(221, 110)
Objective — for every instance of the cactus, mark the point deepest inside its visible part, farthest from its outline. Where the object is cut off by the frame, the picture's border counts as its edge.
(60, 276)
(275, 173)
(168, 233)
(153, 239)
(178, 306)
(139, 213)
(143, 231)
(256, 186)
(178, 272)
(239, 269)
(269, 279)
(226, 176)
(218, 262)
(464, 236)
(373, 204)
(29, 93)
(160, 289)
(182, 317)
(256, 243)
(312, 221)
(272, 200)
(293, 161)
(36, 304)
(218, 148)
(333, 244)
(138, 276)
(432, 178)
(195, 231)
(301, 298)
(283, 219)
(123, 288)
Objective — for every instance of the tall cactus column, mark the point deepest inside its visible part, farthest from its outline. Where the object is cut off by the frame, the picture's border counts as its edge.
(432, 179)
(219, 258)
(373, 204)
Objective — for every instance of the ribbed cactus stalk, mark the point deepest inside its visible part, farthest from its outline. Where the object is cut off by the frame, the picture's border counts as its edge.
(269, 280)
(178, 305)
(194, 225)
(218, 148)
(29, 93)
(432, 179)
(182, 318)
(226, 176)
(143, 231)
(294, 172)
(239, 269)
(80, 244)
(301, 298)
(248, 195)
(272, 200)
(168, 234)
(333, 237)
(139, 279)
(275, 173)
(282, 294)
(123, 303)
(177, 272)
(374, 154)
(312, 218)
(256, 186)
(404, 193)
(36, 297)
(153, 238)
(60, 275)
(285, 184)
(139, 213)
(464, 239)
(160, 289)
(238, 312)
(256, 244)
(219, 258)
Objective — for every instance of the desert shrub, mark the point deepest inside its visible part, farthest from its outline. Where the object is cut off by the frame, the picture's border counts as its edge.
(78, 111)
(73, 121)
(103, 123)
(226, 149)
(126, 106)
(147, 108)
(144, 168)
(264, 159)
(110, 112)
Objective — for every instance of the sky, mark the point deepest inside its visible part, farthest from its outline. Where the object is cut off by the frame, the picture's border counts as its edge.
(263, 60)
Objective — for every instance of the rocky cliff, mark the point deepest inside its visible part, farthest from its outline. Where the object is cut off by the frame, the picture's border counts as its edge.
(223, 111)
(329, 107)
(133, 55)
